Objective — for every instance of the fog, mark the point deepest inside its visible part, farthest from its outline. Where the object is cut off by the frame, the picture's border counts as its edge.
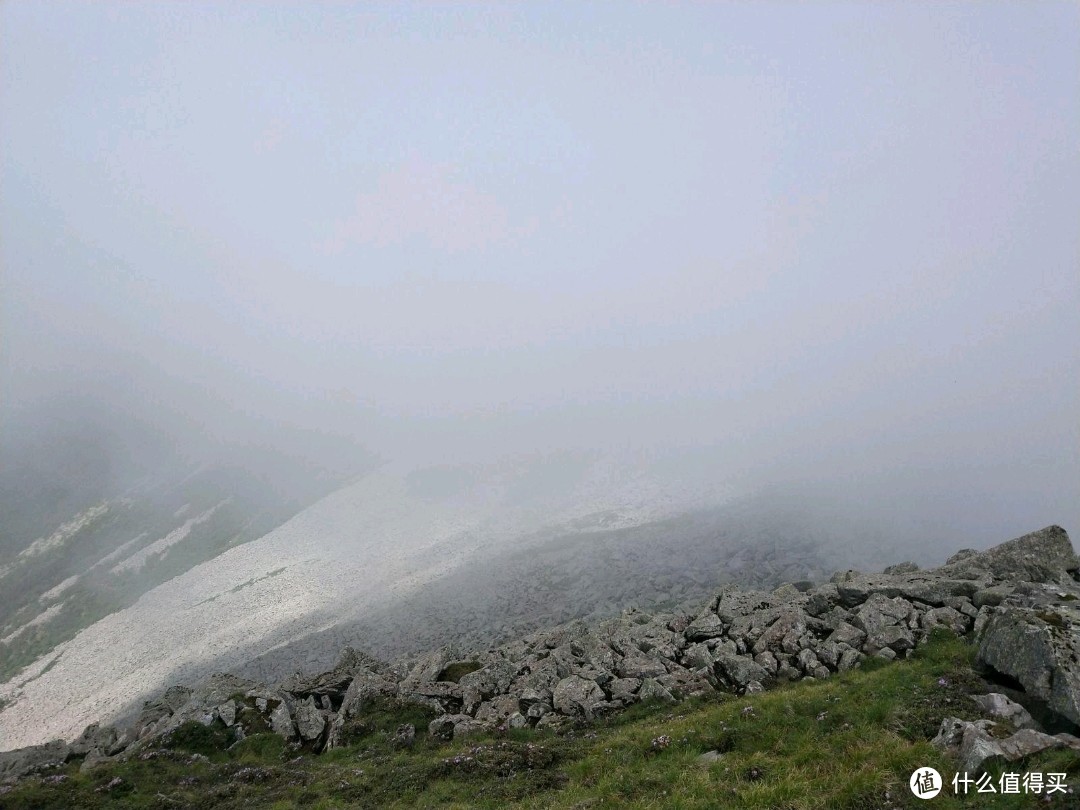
(828, 246)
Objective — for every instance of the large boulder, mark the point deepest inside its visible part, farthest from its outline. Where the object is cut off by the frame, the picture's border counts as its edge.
(1039, 647)
(739, 670)
(35, 759)
(336, 682)
(281, 721)
(310, 722)
(578, 696)
(1043, 556)
(483, 684)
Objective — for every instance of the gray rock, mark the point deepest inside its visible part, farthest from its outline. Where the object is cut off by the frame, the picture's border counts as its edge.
(808, 662)
(404, 737)
(577, 696)
(365, 688)
(1043, 556)
(516, 720)
(828, 652)
(227, 712)
(35, 759)
(789, 624)
(849, 658)
(947, 617)
(697, 656)
(982, 620)
(848, 634)
(879, 612)
(786, 672)
(706, 626)
(281, 721)
(738, 670)
(992, 596)
(977, 750)
(767, 661)
(495, 711)
(896, 638)
(454, 726)
(901, 568)
(490, 680)
(106, 739)
(310, 722)
(93, 759)
(999, 706)
(1041, 649)
(624, 689)
(651, 689)
(822, 599)
(640, 666)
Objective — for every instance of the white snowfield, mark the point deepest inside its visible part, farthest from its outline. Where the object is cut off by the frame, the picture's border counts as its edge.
(342, 557)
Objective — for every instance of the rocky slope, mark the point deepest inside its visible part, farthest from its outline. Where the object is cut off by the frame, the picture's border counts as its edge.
(1016, 600)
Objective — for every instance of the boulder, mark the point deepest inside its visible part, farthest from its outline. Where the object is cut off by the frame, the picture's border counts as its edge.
(106, 739)
(706, 626)
(365, 688)
(999, 706)
(976, 749)
(35, 759)
(789, 625)
(738, 670)
(697, 656)
(577, 696)
(1043, 556)
(281, 721)
(483, 684)
(880, 611)
(1040, 648)
(651, 689)
(640, 666)
(227, 712)
(310, 722)
(454, 726)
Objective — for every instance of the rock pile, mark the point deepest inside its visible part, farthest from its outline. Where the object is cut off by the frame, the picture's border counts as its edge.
(1019, 599)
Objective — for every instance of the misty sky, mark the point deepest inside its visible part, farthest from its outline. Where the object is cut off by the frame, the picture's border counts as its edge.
(827, 240)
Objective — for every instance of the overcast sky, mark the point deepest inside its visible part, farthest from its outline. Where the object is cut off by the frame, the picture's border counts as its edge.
(835, 239)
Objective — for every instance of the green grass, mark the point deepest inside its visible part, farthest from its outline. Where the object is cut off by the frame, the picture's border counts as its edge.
(847, 743)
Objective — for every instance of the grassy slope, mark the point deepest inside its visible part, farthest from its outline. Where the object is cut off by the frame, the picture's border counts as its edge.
(849, 742)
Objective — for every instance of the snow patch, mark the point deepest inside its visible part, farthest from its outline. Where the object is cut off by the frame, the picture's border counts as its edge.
(139, 559)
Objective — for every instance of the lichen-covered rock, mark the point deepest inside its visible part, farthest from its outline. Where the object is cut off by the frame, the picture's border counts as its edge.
(879, 612)
(706, 626)
(651, 689)
(739, 670)
(281, 721)
(640, 666)
(454, 726)
(1043, 556)
(310, 722)
(578, 696)
(1040, 647)
(490, 680)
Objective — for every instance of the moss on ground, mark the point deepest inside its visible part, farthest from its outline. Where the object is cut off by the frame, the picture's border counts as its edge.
(849, 742)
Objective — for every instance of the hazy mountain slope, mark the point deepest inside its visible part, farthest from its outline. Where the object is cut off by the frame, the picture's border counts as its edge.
(400, 560)
(379, 539)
